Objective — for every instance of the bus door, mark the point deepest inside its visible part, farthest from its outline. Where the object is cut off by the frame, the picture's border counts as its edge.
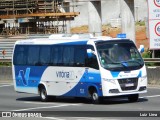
(91, 77)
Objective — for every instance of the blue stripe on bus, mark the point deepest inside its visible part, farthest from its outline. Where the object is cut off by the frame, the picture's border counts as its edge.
(115, 74)
(25, 78)
(140, 74)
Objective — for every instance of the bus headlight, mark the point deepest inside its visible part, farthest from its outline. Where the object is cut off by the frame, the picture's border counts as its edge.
(143, 78)
(109, 80)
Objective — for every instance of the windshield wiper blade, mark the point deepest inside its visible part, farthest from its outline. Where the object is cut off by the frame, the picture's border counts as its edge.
(134, 61)
(123, 63)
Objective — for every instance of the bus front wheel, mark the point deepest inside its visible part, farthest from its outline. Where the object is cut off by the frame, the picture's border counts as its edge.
(95, 98)
(43, 94)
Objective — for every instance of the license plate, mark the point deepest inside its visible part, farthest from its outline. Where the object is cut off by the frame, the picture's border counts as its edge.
(129, 84)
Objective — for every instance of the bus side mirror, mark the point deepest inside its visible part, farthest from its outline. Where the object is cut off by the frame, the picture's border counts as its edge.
(90, 53)
(141, 49)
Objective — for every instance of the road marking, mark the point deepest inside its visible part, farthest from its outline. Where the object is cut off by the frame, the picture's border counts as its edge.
(150, 96)
(45, 107)
(6, 85)
(41, 103)
(152, 87)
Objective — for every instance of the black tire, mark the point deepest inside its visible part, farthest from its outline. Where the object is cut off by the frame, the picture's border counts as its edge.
(95, 98)
(43, 94)
(133, 98)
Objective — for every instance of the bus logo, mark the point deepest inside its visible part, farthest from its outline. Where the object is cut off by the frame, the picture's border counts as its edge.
(24, 77)
(66, 75)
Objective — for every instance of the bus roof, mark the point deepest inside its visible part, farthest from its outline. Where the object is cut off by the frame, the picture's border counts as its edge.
(65, 38)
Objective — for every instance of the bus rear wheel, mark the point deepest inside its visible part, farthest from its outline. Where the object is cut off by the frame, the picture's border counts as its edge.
(133, 98)
(43, 94)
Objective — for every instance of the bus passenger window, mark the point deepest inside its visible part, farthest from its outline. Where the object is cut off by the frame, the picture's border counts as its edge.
(80, 56)
(20, 55)
(56, 55)
(44, 55)
(33, 55)
(92, 62)
(68, 56)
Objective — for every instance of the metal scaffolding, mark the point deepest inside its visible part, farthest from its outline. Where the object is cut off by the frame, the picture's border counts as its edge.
(34, 16)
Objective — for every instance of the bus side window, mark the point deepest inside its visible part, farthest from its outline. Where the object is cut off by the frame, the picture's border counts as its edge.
(80, 56)
(68, 55)
(44, 58)
(33, 55)
(20, 55)
(56, 55)
(92, 62)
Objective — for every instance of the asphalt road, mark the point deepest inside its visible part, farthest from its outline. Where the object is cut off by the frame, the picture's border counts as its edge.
(24, 105)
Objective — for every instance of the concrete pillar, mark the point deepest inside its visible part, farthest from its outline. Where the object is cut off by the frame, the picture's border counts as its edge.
(67, 9)
(127, 16)
(95, 18)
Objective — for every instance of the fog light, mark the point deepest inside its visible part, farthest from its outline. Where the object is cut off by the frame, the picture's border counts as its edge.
(142, 88)
(113, 91)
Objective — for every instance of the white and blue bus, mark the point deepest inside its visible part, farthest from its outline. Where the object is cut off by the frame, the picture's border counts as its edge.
(93, 67)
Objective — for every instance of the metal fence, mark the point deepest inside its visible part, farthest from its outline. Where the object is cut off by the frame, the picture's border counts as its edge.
(6, 49)
(152, 60)
(7, 44)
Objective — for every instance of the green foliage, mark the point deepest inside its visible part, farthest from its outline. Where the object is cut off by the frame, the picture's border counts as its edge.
(5, 63)
(140, 23)
(147, 54)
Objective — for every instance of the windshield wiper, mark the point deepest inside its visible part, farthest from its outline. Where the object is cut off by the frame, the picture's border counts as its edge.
(133, 61)
(123, 63)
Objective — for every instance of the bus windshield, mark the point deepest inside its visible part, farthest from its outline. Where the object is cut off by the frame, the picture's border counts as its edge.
(119, 55)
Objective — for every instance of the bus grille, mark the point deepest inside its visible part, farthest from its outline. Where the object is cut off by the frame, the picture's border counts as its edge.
(128, 83)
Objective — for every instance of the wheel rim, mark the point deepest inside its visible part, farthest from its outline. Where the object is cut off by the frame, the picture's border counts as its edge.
(95, 96)
(43, 94)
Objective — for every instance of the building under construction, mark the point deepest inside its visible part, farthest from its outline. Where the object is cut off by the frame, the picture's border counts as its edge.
(35, 16)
